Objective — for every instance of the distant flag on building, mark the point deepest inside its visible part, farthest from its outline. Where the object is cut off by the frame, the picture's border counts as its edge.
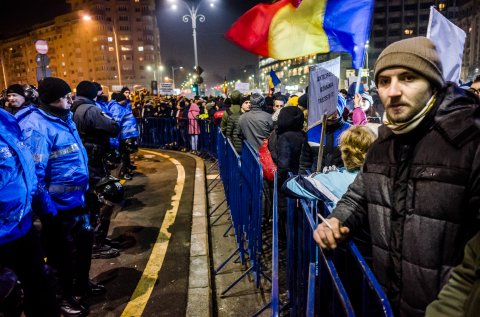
(273, 80)
(291, 28)
(449, 40)
(225, 86)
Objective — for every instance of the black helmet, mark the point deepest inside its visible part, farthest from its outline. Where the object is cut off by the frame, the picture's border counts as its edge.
(110, 190)
(130, 145)
(112, 159)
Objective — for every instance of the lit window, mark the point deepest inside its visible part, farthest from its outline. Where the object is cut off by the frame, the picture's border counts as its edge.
(408, 31)
(125, 48)
(110, 49)
(110, 39)
(140, 48)
(442, 6)
(124, 38)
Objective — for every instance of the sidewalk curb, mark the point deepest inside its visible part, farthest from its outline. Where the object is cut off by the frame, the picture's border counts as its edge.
(199, 301)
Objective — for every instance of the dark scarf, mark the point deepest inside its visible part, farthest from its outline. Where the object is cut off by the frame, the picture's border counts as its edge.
(56, 112)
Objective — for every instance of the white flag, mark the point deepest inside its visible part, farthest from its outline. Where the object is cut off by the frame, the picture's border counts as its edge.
(449, 40)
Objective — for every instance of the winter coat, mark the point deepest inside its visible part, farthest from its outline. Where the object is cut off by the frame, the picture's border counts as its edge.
(232, 129)
(103, 106)
(193, 126)
(255, 126)
(289, 147)
(420, 195)
(60, 161)
(359, 117)
(461, 295)
(124, 117)
(17, 181)
(331, 152)
(93, 125)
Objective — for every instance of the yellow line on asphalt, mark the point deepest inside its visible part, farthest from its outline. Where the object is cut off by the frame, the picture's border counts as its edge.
(140, 296)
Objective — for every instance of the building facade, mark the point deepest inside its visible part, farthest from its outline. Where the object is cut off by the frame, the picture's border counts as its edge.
(469, 20)
(113, 42)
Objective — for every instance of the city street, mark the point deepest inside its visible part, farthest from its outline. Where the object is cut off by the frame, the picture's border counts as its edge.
(159, 196)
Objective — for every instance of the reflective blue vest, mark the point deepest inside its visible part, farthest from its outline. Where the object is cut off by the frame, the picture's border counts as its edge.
(60, 161)
(17, 181)
(125, 118)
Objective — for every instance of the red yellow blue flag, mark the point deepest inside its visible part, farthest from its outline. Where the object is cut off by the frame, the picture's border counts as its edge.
(291, 28)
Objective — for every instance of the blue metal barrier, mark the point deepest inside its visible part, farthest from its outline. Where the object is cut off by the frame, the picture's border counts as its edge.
(326, 293)
(251, 212)
(233, 195)
(344, 284)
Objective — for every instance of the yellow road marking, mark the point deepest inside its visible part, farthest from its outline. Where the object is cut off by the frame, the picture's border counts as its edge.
(140, 296)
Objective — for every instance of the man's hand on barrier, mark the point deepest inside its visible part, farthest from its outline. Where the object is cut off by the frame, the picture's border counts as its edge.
(328, 238)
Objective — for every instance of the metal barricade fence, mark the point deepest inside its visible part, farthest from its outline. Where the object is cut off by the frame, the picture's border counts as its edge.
(323, 292)
(330, 283)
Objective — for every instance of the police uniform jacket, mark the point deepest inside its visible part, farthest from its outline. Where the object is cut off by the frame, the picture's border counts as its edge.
(17, 181)
(60, 160)
(125, 118)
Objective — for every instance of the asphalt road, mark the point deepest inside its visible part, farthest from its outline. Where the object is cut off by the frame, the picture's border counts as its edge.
(157, 216)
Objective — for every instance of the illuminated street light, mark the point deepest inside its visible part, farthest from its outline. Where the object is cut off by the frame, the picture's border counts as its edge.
(193, 15)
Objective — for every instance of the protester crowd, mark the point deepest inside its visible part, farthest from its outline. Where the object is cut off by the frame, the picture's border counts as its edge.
(399, 167)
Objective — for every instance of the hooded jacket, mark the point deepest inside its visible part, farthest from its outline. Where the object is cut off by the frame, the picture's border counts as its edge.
(60, 160)
(17, 181)
(420, 196)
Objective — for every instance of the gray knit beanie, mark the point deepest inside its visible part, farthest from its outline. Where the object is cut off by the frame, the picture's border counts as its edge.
(257, 100)
(416, 53)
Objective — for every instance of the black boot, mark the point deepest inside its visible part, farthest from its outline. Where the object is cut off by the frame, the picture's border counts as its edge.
(103, 251)
(70, 307)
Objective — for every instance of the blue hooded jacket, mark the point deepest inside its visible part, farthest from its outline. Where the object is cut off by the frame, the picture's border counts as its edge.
(125, 118)
(17, 181)
(60, 161)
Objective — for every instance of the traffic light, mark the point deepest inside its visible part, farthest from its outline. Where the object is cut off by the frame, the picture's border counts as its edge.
(195, 89)
(198, 72)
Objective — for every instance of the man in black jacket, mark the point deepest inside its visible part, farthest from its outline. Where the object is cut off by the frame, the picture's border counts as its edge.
(419, 189)
(95, 129)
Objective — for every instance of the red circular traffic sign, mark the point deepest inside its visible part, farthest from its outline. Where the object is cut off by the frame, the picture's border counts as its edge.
(41, 46)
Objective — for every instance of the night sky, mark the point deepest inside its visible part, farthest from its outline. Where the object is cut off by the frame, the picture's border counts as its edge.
(215, 54)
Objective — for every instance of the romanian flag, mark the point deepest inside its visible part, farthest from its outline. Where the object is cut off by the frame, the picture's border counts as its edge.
(273, 80)
(291, 28)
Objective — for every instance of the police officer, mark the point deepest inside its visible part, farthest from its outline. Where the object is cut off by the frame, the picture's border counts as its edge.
(95, 129)
(122, 113)
(20, 98)
(61, 168)
(20, 248)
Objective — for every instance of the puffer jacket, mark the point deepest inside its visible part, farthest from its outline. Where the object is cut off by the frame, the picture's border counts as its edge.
(17, 181)
(420, 195)
(125, 118)
(114, 142)
(60, 161)
(232, 129)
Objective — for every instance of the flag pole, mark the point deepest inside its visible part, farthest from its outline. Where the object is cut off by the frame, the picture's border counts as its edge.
(359, 79)
(321, 146)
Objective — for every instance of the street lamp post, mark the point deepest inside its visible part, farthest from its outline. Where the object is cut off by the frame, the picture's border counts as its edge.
(173, 74)
(149, 68)
(193, 15)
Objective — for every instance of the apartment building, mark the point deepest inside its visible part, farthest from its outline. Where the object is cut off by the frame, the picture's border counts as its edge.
(113, 42)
